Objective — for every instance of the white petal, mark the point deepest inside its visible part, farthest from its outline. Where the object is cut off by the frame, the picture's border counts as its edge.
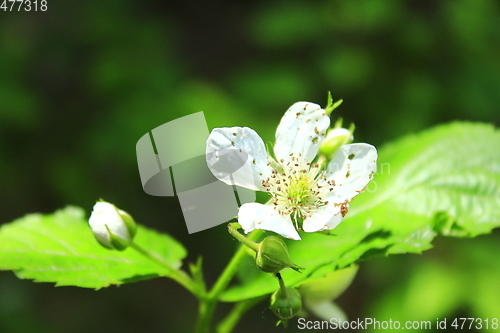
(253, 216)
(324, 218)
(352, 169)
(105, 215)
(301, 131)
(237, 155)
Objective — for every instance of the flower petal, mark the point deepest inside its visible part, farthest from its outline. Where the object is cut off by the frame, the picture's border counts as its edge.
(301, 131)
(253, 216)
(352, 169)
(324, 218)
(105, 217)
(237, 155)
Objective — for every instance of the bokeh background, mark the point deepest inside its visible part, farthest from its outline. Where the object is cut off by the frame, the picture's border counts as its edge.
(81, 82)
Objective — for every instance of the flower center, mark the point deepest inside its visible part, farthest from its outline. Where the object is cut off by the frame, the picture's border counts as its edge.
(298, 188)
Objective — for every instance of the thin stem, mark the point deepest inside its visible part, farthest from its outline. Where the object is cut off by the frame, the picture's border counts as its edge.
(232, 267)
(180, 276)
(207, 305)
(282, 284)
(231, 320)
(232, 228)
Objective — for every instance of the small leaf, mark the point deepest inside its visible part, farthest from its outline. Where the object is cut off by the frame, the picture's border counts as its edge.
(445, 180)
(60, 248)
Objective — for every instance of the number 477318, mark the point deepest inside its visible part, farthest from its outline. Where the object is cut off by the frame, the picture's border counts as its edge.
(474, 323)
(23, 5)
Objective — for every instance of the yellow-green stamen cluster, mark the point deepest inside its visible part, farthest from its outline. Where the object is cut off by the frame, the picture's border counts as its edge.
(297, 187)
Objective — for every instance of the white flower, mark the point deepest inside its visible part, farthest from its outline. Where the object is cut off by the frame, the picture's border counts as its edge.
(310, 196)
(113, 228)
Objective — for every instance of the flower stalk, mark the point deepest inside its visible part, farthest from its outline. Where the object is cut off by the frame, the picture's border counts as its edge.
(177, 275)
(209, 302)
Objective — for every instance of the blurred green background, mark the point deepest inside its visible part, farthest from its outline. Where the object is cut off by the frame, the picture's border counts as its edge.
(83, 81)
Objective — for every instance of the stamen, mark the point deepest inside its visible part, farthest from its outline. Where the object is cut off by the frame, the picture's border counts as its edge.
(298, 188)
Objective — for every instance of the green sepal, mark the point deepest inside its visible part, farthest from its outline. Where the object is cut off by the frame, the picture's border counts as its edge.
(116, 242)
(107, 246)
(330, 106)
(129, 223)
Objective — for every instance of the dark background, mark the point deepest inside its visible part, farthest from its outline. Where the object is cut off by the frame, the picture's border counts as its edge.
(81, 82)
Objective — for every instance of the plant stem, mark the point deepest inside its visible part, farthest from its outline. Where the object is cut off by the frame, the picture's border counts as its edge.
(232, 228)
(207, 304)
(229, 322)
(180, 276)
(282, 284)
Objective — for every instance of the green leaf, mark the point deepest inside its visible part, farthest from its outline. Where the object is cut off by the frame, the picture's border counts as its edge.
(445, 180)
(458, 278)
(61, 248)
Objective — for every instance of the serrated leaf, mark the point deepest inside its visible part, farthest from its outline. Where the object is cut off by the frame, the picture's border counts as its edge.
(445, 180)
(60, 248)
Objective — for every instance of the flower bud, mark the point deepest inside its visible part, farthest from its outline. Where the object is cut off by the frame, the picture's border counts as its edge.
(335, 138)
(272, 256)
(113, 228)
(286, 302)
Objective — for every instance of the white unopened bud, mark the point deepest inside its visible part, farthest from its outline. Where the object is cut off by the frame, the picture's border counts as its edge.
(113, 228)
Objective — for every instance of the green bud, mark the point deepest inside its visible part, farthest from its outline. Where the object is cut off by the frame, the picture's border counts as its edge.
(272, 256)
(335, 138)
(113, 228)
(286, 302)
